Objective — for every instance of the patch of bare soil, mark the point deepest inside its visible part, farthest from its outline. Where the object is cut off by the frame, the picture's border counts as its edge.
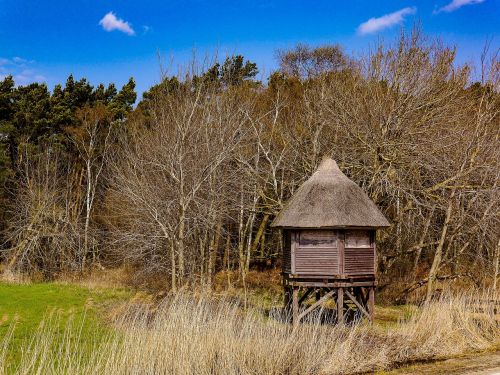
(480, 364)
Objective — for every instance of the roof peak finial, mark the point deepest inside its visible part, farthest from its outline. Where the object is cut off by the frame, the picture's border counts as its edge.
(327, 163)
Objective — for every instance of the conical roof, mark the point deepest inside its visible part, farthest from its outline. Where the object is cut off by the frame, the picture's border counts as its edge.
(329, 199)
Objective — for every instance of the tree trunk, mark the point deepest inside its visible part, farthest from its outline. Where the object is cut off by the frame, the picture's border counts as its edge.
(421, 242)
(88, 207)
(260, 233)
(496, 265)
(212, 253)
(202, 244)
(180, 242)
(227, 259)
(439, 251)
(241, 238)
(173, 275)
(248, 254)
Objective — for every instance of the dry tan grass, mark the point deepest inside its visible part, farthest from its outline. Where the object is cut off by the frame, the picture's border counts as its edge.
(98, 278)
(12, 277)
(188, 335)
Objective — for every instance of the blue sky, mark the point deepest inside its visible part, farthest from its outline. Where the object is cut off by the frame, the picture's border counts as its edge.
(110, 40)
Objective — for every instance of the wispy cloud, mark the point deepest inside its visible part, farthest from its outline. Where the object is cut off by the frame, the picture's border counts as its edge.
(456, 4)
(20, 69)
(27, 76)
(388, 20)
(110, 22)
(19, 60)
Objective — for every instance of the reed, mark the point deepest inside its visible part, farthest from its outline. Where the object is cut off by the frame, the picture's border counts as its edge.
(200, 335)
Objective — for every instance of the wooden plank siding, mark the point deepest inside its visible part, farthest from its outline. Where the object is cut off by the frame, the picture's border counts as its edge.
(358, 261)
(359, 253)
(316, 252)
(317, 261)
(286, 262)
(338, 253)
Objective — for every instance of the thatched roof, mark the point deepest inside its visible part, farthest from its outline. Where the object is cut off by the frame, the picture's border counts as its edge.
(329, 199)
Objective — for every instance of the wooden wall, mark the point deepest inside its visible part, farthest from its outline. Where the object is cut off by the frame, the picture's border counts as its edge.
(359, 253)
(329, 252)
(286, 260)
(316, 252)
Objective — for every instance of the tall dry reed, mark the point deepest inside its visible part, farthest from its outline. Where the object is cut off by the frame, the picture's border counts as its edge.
(188, 335)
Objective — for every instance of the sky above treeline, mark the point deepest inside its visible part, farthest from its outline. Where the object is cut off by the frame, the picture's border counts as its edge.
(110, 40)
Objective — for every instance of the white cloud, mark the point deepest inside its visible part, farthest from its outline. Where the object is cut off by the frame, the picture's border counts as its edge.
(456, 4)
(28, 76)
(110, 22)
(376, 24)
(15, 61)
(19, 60)
(19, 69)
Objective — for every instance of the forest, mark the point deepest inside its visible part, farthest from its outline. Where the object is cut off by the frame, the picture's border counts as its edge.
(180, 187)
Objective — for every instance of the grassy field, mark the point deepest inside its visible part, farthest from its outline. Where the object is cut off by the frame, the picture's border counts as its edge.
(24, 307)
(71, 329)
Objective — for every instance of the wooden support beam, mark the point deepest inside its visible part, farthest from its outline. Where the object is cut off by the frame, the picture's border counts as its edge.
(359, 306)
(340, 306)
(287, 298)
(317, 284)
(364, 296)
(306, 294)
(339, 277)
(371, 303)
(316, 304)
(295, 305)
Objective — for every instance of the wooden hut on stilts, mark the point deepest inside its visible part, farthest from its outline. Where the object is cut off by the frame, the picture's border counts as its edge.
(329, 250)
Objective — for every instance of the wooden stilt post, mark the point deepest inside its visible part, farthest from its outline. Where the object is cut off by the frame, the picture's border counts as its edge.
(340, 306)
(295, 305)
(287, 298)
(318, 294)
(371, 302)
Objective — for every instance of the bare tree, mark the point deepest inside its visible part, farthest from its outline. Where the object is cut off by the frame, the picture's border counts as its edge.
(92, 140)
(43, 234)
(306, 62)
(172, 172)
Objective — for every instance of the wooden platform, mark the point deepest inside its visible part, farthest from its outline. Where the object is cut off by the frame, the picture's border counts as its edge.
(354, 294)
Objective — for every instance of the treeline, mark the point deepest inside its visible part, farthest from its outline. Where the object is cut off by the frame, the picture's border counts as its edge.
(186, 184)
(53, 149)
